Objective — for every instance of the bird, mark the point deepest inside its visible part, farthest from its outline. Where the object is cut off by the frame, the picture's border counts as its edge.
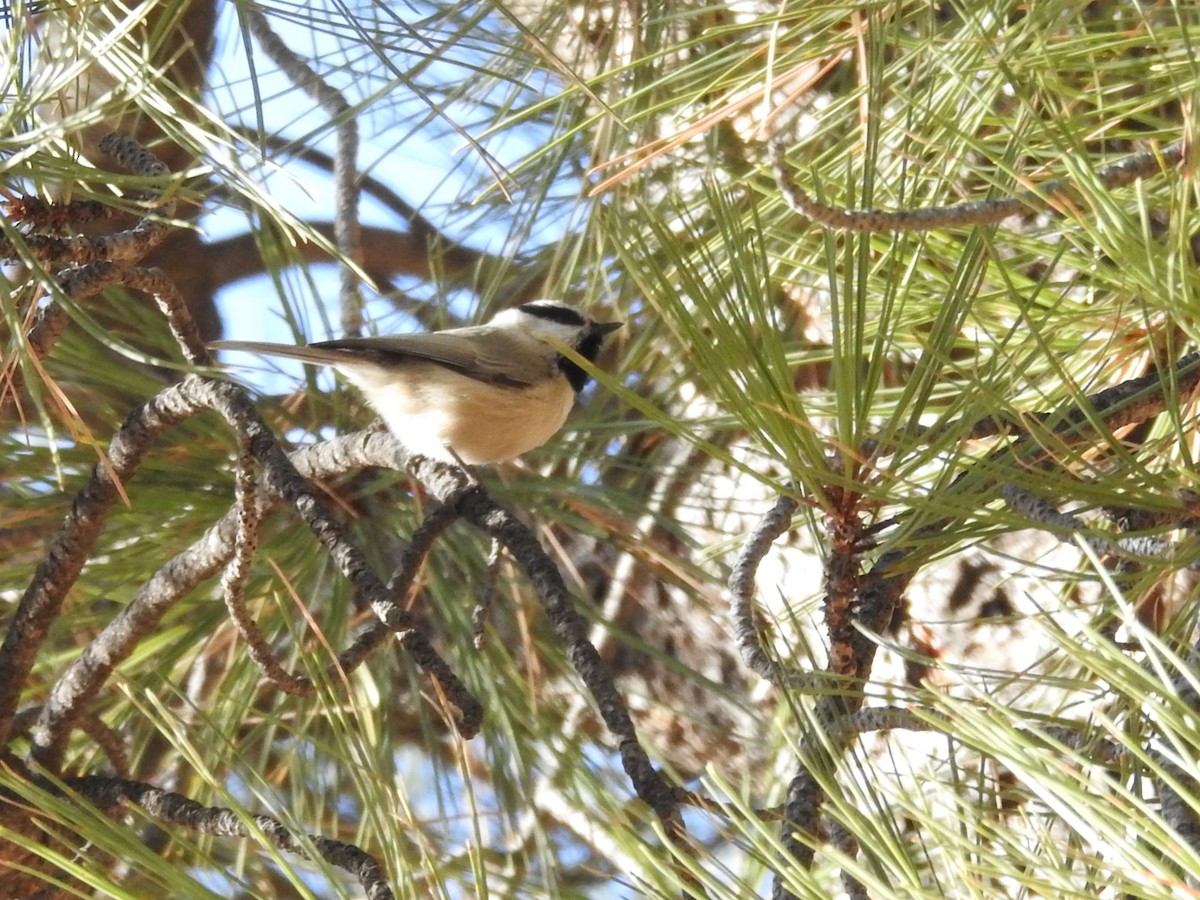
(473, 396)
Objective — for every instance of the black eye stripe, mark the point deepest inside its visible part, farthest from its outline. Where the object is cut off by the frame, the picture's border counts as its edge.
(553, 312)
(589, 347)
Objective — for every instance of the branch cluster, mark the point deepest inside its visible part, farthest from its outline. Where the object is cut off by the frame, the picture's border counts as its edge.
(863, 600)
(265, 478)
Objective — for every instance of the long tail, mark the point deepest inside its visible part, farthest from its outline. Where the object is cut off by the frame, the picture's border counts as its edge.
(312, 355)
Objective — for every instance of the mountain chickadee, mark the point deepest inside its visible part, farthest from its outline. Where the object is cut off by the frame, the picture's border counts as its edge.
(471, 395)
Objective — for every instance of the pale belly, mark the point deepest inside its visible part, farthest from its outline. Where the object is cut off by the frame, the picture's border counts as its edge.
(446, 415)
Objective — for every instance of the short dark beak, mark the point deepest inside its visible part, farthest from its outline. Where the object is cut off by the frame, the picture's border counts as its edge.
(603, 328)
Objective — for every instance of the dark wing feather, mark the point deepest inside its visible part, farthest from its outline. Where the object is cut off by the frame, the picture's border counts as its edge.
(502, 359)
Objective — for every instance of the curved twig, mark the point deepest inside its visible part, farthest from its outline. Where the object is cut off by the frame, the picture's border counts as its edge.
(170, 808)
(774, 523)
(973, 212)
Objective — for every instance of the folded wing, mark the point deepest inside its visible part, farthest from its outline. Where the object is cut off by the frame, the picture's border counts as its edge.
(497, 358)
